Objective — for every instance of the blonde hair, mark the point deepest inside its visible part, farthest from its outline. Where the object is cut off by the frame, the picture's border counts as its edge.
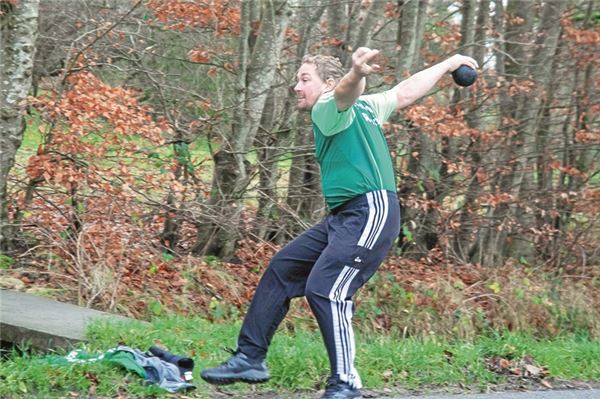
(328, 67)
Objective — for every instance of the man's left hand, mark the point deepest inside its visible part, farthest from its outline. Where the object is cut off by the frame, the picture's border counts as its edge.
(457, 60)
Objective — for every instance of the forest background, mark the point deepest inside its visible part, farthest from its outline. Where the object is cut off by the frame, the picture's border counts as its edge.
(153, 160)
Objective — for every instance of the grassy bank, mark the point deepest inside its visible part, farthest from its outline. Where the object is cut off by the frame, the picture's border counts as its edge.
(298, 361)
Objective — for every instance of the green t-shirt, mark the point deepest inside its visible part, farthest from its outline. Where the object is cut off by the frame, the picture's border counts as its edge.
(351, 148)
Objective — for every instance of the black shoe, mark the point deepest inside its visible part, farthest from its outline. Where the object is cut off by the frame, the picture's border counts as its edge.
(239, 368)
(337, 389)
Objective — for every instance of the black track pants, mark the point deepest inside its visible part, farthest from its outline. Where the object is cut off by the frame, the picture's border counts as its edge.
(327, 263)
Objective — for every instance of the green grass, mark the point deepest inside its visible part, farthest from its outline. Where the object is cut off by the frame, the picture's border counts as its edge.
(32, 138)
(297, 361)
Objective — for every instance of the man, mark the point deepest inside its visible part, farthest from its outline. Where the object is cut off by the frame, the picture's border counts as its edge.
(329, 262)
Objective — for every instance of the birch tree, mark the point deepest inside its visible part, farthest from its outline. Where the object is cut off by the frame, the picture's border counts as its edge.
(282, 134)
(18, 32)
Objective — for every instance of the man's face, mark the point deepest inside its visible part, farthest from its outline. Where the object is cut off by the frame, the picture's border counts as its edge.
(310, 86)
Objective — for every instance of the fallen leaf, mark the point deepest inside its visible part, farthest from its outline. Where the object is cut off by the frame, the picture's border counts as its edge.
(532, 370)
(546, 384)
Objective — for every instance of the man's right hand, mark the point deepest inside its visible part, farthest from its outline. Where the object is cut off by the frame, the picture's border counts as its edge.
(352, 85)
(361, 61)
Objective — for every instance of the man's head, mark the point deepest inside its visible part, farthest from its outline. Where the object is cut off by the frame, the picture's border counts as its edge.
(317, 74)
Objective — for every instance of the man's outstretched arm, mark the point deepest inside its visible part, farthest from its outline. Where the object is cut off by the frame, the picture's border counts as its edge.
(410, 90)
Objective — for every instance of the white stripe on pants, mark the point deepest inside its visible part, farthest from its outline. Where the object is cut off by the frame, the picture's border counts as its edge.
(341, 311)
(378, 211)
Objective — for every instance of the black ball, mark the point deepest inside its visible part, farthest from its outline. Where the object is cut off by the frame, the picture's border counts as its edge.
(464, 75)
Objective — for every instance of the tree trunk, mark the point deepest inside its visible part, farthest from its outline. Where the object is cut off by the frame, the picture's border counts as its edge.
(269, 151)
(481, 25)
(367, 21)
(407, 39)
(544, 177)
(467, 31)
(519, 17)
(18, 33)
(540, 68)
(170, 235)
(276, 220)
(422, 167)
(336, 31)
(304, 188)
(464, 243)
(514, 26)
(417, 63)
(231, 176)
(580, 155)
(304, 185)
